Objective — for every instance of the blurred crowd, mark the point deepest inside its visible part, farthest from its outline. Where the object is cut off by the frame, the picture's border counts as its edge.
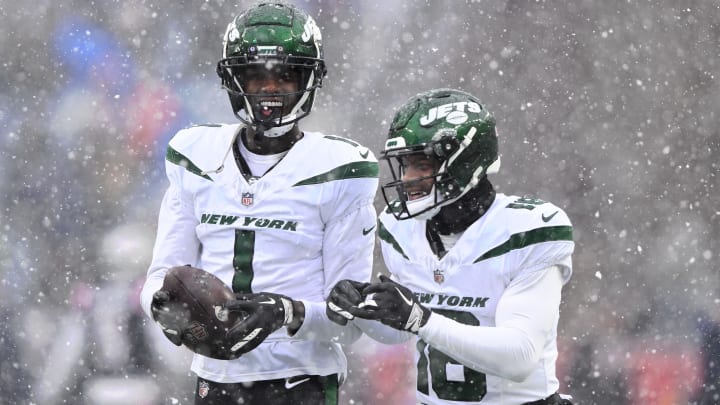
(608, 110)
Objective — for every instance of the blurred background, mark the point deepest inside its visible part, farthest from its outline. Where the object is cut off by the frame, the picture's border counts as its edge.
(607, 109)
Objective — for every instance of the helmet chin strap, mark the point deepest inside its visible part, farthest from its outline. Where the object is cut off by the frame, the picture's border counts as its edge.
(427, 214)
(455, 215)
(271, 132)
(422, 204)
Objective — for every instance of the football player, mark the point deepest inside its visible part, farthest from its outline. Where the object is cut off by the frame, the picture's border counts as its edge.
(279, 214)
(476, 275)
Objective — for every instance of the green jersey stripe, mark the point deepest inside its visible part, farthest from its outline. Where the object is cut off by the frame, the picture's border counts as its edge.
(352, 170)
(348, 141)
(331, 390)
(385, 235)
(179, 159)
(524, 239)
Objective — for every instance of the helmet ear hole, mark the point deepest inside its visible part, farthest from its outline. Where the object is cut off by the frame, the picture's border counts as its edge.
(446, 145)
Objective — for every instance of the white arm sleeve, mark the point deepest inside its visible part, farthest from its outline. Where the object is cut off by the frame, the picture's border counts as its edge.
(317, 326)
(176, 243)
(526, 315)
(347, 254)
(382, 333)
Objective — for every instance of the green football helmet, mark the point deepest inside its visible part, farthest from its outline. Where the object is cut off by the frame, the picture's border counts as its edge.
(273, 37)
(450, 126)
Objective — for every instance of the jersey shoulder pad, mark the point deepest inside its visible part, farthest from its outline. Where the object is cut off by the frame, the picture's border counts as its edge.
(346, 148)
(533, 233)
(187, 138)
(200, 148)
(333, 159)
(521, 214)
(396, 233)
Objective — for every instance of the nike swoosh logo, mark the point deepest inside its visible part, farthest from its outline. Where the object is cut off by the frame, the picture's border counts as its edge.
(367, 231)
(291, 385)
(365, 155)
(270, 301)
(548, 218)
(406, 299)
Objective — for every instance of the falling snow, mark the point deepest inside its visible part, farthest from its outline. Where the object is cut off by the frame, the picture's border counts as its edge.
(607, 109)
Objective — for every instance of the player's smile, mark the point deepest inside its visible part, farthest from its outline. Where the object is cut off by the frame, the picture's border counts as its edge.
(417, 194)
(268, 106)
(418, 172)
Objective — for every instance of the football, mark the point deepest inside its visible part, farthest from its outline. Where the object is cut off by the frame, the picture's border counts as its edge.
(196, 308)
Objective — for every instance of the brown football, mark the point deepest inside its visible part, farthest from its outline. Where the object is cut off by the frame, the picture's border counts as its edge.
(196, 299)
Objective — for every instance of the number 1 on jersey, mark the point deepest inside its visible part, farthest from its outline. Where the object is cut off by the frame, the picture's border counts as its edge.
(243, 260)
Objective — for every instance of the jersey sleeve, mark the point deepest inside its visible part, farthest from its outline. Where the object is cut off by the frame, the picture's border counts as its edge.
(382, 333)
(176, 243)
(350, 235)
(347, 250)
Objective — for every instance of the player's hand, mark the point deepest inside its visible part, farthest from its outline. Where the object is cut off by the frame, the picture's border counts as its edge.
(167, 316)
(393, 305)
(343, 297)
(266, 313)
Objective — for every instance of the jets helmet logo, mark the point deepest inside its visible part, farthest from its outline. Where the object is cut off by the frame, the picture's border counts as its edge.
(454, 113)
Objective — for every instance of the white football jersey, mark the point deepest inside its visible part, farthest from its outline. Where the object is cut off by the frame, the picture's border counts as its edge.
(306, 224)
(516, 236)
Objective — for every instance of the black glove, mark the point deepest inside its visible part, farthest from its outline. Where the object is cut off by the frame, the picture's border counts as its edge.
(166, 314)
(393, 305)
(345, 295)
(266, 313)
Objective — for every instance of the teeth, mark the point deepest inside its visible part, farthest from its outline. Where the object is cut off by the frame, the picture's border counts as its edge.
(271, 103)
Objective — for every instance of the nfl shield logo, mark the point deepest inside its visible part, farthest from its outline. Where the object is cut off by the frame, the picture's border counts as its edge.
(438, 276)
(247, 199)
(203, 389)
